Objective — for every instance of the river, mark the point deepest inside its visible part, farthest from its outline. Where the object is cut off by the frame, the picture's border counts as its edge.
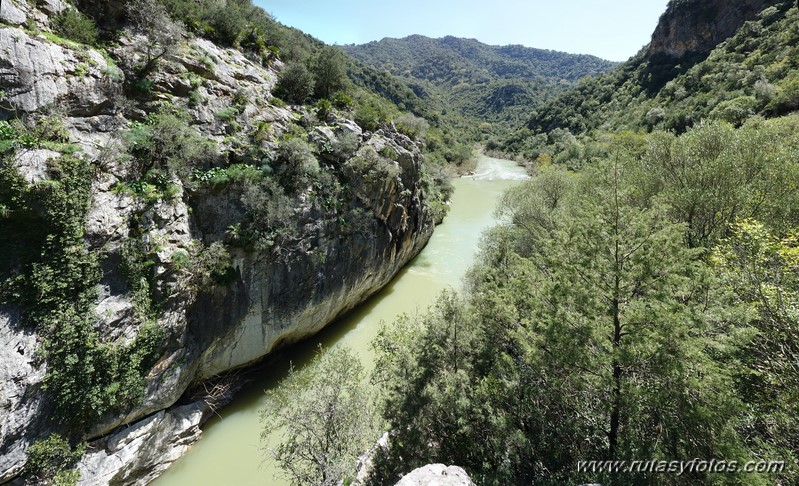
(230, 450)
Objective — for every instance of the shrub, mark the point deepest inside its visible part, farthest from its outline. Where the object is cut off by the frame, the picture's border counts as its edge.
(296, 163)
(51, 460)
(343, 101)
(345, 144)
(296, 83)
(75, 26)
(412, 125)
(367, 117)
(167, 142)
(370, 169)
(735, 111)
(271, 225)
(786, 98)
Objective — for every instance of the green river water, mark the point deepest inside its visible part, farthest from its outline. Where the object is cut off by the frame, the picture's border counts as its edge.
(230, 451)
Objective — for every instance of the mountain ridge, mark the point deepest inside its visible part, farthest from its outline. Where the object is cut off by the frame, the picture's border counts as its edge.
(482, 82)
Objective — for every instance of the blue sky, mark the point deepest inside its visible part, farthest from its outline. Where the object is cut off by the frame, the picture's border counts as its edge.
(611, 29)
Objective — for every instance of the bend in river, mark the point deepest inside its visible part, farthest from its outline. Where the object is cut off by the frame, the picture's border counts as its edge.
(230, 450)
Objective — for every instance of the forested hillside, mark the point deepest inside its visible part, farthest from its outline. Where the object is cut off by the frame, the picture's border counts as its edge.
(754, 72)
(482, 83)
(638, 302)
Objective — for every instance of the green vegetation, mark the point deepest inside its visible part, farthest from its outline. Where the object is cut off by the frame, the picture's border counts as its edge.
(75, 26)
(752, 73)
(468, 80)
(48, 271)
(296, 83)
(638, 308)
(325, 414)
(50, 461)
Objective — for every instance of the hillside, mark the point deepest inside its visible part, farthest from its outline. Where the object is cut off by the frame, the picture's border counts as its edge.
(682, 77)
(495, 84)
(639, 295)
(185, 187)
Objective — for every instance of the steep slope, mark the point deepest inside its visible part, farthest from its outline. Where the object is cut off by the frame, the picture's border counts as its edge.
(481, 82)
(706, 60)
(165, 219)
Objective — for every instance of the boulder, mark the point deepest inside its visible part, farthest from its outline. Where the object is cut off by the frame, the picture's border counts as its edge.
(436, 475)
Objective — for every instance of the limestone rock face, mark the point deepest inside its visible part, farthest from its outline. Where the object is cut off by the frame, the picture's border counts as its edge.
(21, 407)
(138, 454)
(271, 302)
(36, 73)
(436, 475)
(695, 27)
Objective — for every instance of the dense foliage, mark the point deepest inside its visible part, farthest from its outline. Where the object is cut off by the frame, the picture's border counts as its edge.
(50, 273)
(476, 81)
(639, 309)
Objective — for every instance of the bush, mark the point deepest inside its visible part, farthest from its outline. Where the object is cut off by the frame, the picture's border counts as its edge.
(50, 460)
(296, 83)
(786, 99)
(296, 163)
(367, 117)
(75, 26)
(735, 111)
(166, 142)
(412, 125)
(370, 169)
(271, 226)
(328, 399)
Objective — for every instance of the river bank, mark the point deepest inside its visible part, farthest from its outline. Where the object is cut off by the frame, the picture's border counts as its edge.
(230, 450)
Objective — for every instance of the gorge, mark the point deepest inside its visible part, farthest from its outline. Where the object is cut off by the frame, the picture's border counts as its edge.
(193, 196)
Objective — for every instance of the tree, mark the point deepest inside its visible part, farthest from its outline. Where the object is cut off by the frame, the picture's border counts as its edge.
(761, 271)
(588, 333)
(150, 18)
(330, 71)
(325, 417)
(296, 83)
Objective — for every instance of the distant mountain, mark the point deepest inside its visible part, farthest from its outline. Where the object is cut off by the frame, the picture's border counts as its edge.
(707, 59)
(497, 84)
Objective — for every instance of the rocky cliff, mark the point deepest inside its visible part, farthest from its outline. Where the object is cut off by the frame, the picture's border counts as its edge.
(693, 28)
(347, 229)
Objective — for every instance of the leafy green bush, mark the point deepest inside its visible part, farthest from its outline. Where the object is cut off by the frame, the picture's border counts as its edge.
(735, 111)
(329, 398)
(367, 117)
(271, 226)
(296, 163)
(167, 142)
(786, 98)
(412, 125)
(372, 169)
(295, 84)
(51, 460)
(75, 26)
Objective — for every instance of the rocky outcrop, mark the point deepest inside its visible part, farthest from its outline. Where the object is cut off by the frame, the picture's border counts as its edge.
(165, 436)
(37, 73)
(436, 475)
(21, 404)
(693, 28)
(270, 302)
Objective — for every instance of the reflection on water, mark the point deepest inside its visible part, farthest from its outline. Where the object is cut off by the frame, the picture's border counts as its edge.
(229, 452)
